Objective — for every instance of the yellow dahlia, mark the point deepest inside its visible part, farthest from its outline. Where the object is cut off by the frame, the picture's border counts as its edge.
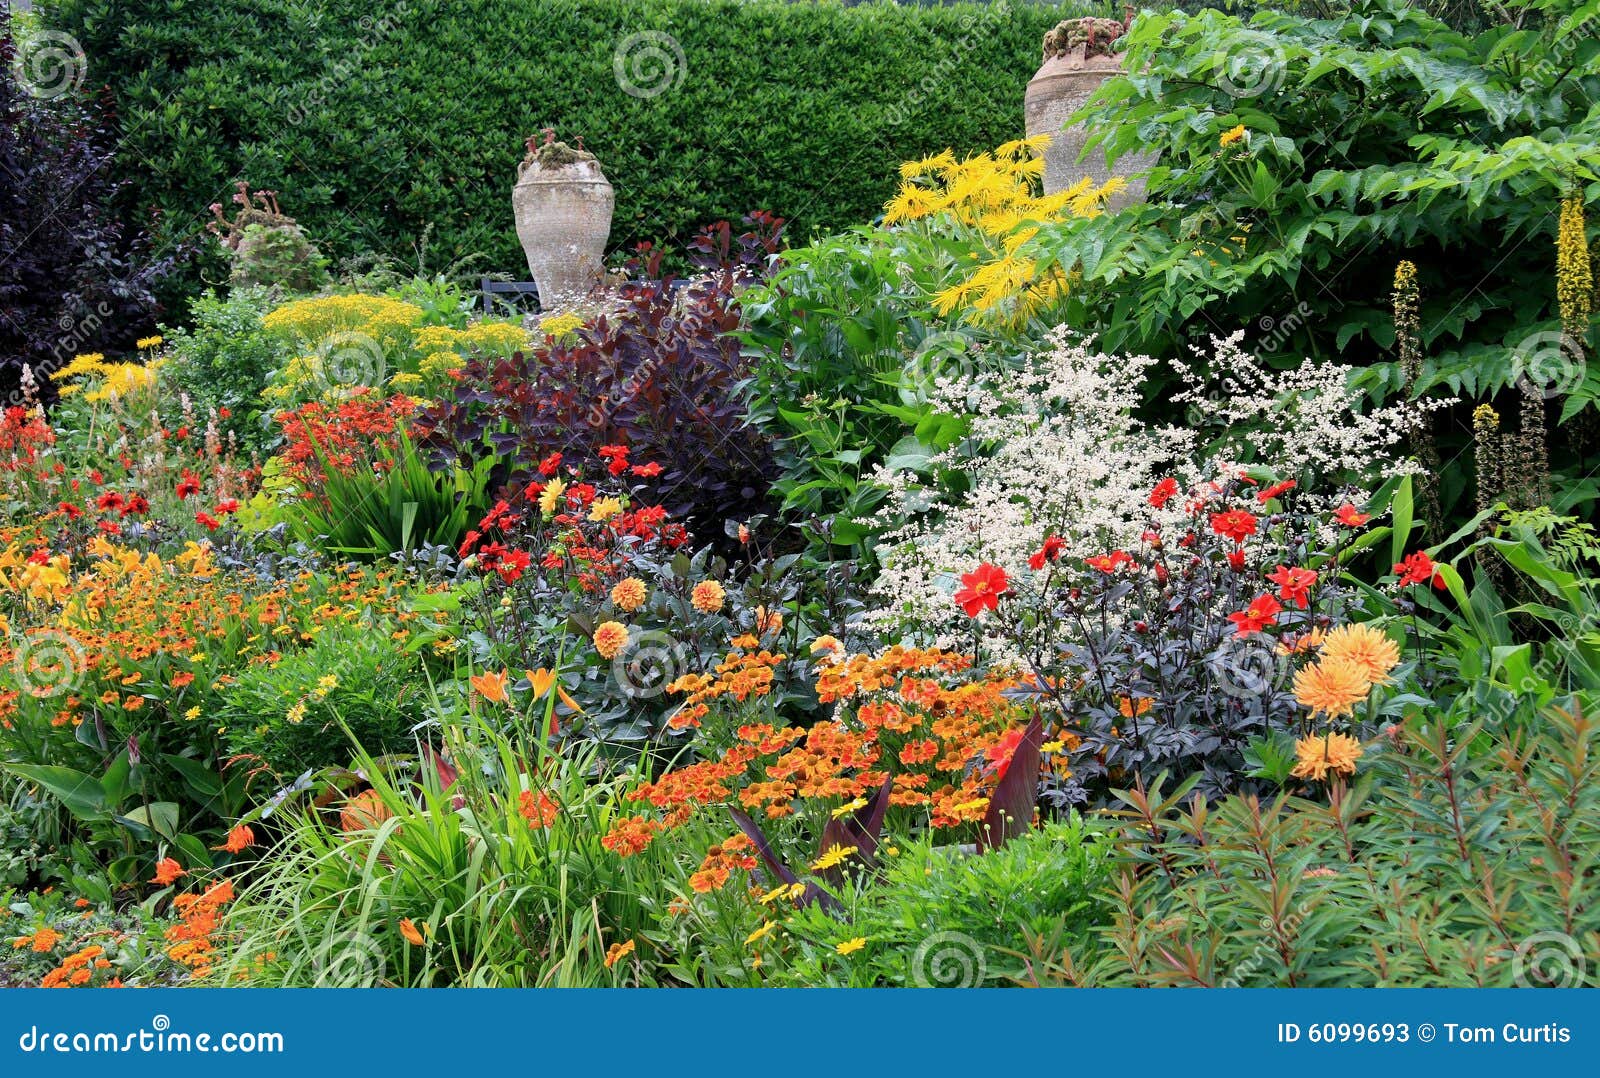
(1364, 647)
(1318, 755)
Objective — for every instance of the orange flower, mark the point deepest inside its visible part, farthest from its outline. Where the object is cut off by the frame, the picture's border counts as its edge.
(1332, 687)
(540, 811)
(240, 839)
(365, 810)
(629, 594)
(617, 952)
(490, 686)
(540, 681)
(1318, 756)
(409, 931)
(707, 597)
(1364, 647)
(610, 638)
(168, 871)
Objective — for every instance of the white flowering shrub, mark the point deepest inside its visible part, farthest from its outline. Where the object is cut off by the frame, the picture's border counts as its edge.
(1058, 449)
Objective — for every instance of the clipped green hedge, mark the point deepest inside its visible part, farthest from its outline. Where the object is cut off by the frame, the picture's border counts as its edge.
(373, 119)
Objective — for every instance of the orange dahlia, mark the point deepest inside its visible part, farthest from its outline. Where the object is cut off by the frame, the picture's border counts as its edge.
(610, 638)
(1317, 756)
(1364, 647)
(707, 596)
(629, 594)
(1332, 687)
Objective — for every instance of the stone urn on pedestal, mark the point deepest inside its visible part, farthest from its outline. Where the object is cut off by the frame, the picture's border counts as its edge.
(1078, 59)
(563, 205)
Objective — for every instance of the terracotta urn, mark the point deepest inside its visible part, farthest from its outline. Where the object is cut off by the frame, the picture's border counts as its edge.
(1076, 64)
(563, 205)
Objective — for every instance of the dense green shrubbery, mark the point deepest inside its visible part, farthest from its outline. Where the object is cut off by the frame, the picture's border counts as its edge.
(225, 359)
(374, 121)
(303, 711)
(939, 917)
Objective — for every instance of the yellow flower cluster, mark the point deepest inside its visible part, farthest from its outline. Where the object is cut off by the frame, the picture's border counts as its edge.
(308, 321)
(1574, 276)
(380, 339)
(102, 381)
(993, 199)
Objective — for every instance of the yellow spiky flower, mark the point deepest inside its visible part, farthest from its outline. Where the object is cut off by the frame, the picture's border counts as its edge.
(1574, 276)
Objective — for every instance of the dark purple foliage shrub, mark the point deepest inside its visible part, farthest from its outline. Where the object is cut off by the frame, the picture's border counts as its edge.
(658, 372)
(73, 278)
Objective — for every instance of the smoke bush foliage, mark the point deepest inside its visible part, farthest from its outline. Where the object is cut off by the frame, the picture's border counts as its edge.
(73, 278)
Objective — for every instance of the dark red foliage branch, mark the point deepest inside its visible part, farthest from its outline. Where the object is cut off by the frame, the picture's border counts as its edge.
(658, 372)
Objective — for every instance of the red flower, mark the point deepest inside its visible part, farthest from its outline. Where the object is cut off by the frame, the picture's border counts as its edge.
(467, 543)
(1165, 491)
(1050, 551)
(1294, 584)
(228, 505)
(550, 465)
(648, 471)
(188, 484)
(211, 523)
(513, 565)
(1109, 563)
(136, 505)
(1350, 517)
(616, 457)
(72, 511)
(1236, 560)
(1276, 489)
(1415, 568)
(1235, 524)
(110, 500)
(1262, 611)
(981, 589)
(224, 413)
